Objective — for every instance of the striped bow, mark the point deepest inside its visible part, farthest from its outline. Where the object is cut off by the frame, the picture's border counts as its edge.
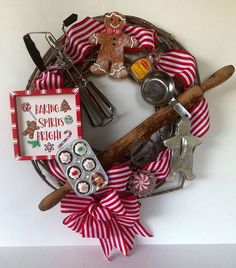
(113, 219)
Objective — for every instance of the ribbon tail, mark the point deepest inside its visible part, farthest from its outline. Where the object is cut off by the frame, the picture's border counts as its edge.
(128, 236)
(139, 229)
(106, 247)
(121, 238)
(117, 237)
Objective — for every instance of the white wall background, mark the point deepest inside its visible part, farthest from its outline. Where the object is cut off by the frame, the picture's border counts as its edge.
(205, 211)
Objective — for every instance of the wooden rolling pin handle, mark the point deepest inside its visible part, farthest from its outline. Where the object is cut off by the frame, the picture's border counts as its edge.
(54, 197)
(218, 77)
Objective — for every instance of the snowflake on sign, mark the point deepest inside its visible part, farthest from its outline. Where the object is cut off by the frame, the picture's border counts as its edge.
(49, 147)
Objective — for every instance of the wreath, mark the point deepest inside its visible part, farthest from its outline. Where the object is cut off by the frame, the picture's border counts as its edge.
(137, 165)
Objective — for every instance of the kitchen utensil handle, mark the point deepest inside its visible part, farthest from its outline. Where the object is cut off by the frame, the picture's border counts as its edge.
(179, 108)
(92, 111)
(218, 77)
(54, 197)
(71, 19)
(97, 102)
(34, 53)
(112, 108)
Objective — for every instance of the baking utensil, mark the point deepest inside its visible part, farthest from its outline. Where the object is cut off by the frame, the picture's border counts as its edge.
(81, 167)
(158, 89)
(98, 107)
(117, 151)
(182, 146)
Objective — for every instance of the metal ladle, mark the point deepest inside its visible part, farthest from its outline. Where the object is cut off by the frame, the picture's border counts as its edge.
(158, 89)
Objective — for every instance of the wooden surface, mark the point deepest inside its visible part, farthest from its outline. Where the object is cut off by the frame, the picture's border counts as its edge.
(54, 197)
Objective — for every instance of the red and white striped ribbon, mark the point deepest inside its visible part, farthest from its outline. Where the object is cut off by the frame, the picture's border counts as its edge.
(114, 219)
(80, 32)
(182, 64)
(161, 166)
(118, 178)
(200, 120)
(50, 79)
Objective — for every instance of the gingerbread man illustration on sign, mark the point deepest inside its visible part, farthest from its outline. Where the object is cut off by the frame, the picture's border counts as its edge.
(31, 127)
(112, 41)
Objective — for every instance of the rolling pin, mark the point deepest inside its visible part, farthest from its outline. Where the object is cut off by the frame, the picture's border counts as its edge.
(144, 130)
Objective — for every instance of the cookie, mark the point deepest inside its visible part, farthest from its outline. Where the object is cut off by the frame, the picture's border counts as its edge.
(80, 149)
(98, 179)
(89, 164)
(83, 187)
(74, 173)
(65, 157)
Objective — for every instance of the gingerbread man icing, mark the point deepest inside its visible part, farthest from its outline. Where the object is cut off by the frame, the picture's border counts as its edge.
(31, 127)
(112, 42)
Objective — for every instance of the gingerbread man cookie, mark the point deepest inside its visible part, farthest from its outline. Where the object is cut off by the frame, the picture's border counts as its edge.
(31, 127)
(112, 41)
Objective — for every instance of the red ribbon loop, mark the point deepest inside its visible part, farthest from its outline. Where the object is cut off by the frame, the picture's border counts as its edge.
(113, 219)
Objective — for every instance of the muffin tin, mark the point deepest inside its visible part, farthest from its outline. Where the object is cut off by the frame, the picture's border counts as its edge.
(81, 167)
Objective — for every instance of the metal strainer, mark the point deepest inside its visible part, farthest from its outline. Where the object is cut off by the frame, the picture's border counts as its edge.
(158, 89)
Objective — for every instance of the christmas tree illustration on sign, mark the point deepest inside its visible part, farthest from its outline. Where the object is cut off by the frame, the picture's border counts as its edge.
(65, 107)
